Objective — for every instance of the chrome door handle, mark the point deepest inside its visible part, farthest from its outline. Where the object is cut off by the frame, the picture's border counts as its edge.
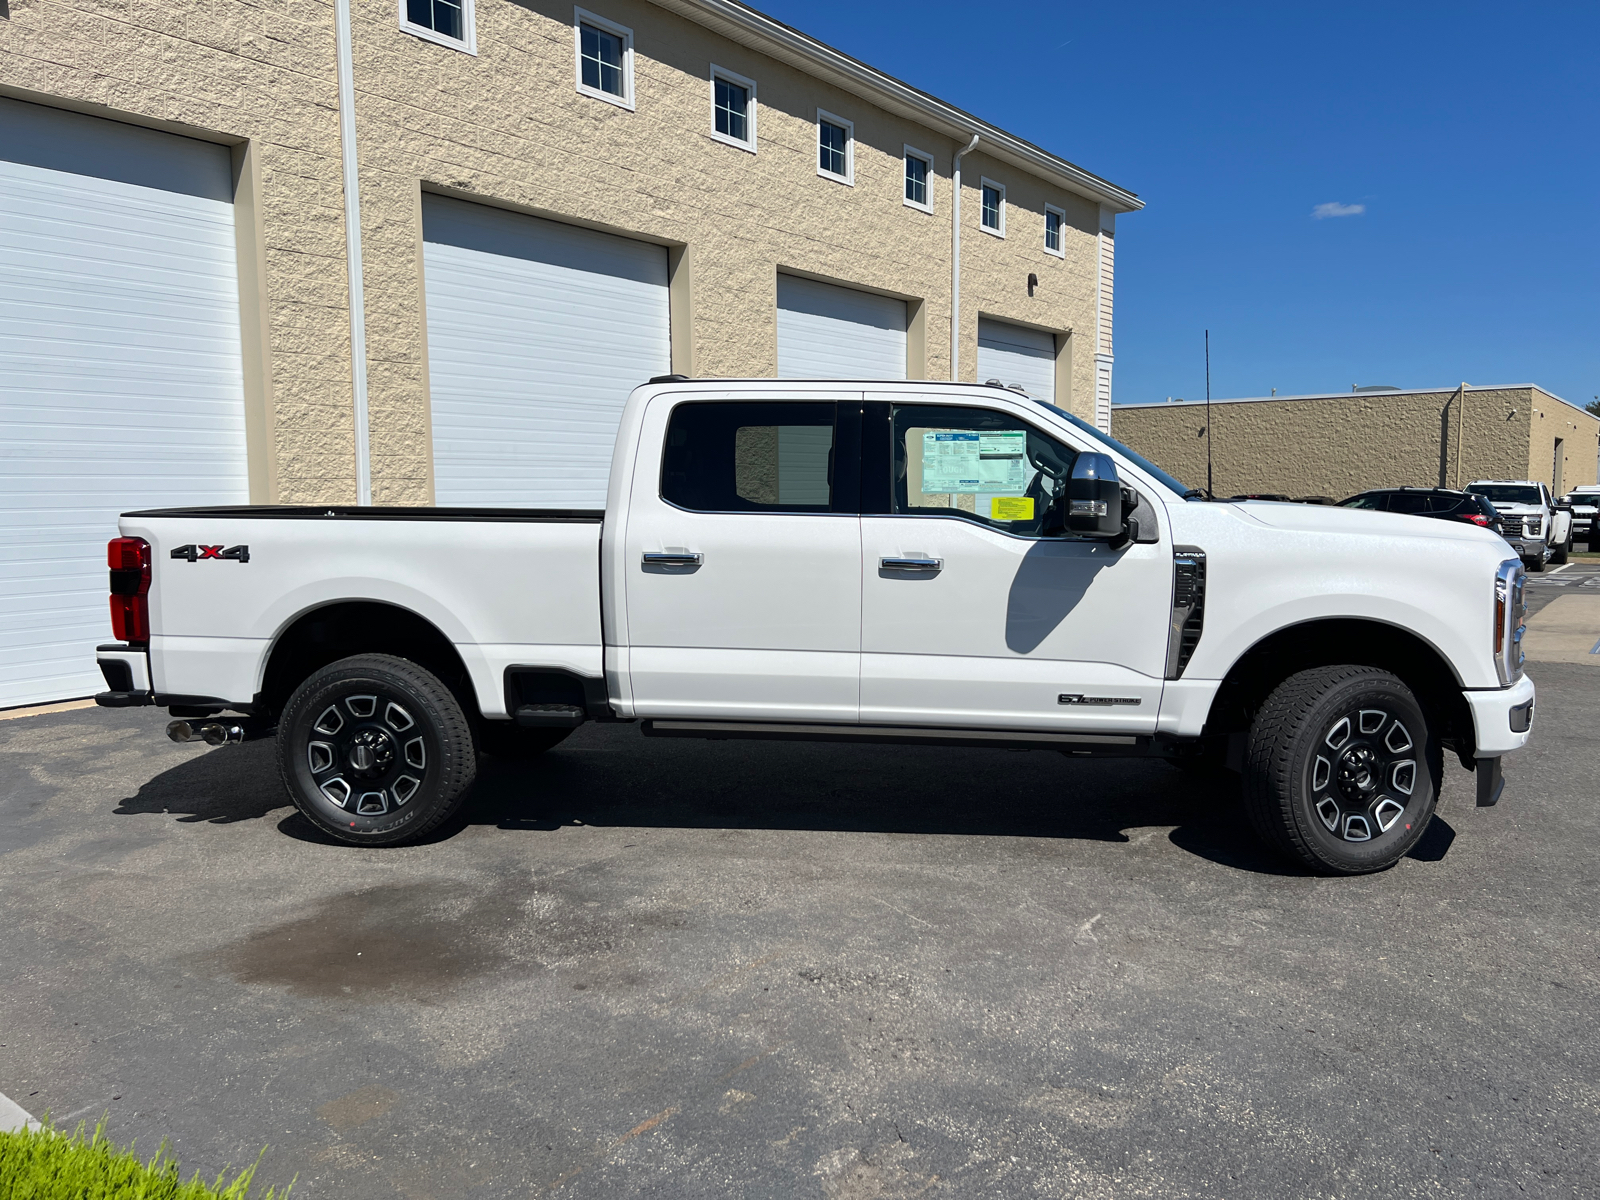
(673, 558)
(912, 564)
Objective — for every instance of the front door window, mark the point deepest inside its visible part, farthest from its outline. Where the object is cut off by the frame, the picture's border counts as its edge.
(978, 465)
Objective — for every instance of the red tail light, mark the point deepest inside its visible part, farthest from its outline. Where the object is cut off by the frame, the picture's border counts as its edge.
(129, 560)
(1476, 519)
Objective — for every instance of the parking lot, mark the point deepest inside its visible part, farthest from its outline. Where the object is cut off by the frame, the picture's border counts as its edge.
(748, 969)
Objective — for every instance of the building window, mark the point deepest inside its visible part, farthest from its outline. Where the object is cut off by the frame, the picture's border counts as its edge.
(605, 58)
(994, 208)
(448, 22)
(733, 109)
(835, 147)
(1054, 220)
(919, 167)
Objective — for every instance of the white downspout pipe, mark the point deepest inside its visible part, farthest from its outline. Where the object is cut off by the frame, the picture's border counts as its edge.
(352, 244)
(955, 259)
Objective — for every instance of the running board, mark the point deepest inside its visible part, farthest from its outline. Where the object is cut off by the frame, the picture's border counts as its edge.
(1105, 744)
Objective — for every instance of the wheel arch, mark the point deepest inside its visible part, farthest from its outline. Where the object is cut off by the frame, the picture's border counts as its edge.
(1358, 641)
(327, 632)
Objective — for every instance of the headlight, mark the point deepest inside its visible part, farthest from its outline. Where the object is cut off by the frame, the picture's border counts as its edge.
(1510, 610)
(1533, 525)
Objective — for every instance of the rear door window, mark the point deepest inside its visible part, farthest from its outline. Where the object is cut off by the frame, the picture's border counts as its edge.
(739, 456)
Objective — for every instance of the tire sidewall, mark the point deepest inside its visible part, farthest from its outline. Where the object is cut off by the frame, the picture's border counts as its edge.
(425, 697)
(1385, 848)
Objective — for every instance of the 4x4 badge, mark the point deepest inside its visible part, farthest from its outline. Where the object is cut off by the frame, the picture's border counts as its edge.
(193, 553)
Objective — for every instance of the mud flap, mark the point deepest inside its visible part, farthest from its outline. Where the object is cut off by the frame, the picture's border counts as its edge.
(1490, 782)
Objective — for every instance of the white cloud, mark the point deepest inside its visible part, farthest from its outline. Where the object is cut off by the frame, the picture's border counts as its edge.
(1335, 209)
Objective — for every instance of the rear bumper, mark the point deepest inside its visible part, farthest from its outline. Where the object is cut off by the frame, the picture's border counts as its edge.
(127, 674)
(1502, 718)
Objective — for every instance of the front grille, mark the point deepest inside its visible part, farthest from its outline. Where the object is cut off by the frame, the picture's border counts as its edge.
(1188, 607)
(1513, 526)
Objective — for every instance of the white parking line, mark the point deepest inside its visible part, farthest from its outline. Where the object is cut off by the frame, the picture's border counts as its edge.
(13, 1116)
(1562, 568)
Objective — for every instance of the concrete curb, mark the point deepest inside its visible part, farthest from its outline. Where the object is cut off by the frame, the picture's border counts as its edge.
(13, 1116)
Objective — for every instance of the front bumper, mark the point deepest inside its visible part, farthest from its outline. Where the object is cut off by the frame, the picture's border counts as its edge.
(1528, 547)
(1497, 714)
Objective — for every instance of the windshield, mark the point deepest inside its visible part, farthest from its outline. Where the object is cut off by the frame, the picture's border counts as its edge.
(1507, 493)
(1138, 460)
(1583, 499)
(1364, 500)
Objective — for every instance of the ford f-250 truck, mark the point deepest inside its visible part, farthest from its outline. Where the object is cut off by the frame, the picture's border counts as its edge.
(912, 563)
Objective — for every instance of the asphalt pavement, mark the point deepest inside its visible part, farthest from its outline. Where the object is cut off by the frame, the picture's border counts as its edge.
(733, 969)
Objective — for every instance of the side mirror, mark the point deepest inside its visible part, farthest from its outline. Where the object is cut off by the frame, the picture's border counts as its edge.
(1094, 498)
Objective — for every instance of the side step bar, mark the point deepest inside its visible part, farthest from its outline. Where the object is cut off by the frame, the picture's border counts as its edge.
(1100, 744)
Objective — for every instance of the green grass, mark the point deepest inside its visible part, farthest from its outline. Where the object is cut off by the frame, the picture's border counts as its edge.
(43, 1164)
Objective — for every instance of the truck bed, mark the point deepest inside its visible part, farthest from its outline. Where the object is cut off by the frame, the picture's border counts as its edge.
(507, 587)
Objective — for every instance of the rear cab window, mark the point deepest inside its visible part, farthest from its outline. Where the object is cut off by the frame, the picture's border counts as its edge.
(743, 456)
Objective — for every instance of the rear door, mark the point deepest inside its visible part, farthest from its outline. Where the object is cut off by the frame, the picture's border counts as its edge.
(971, 616)
(742, 560)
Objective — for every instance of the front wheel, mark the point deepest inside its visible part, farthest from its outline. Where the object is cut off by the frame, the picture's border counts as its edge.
(1341, 771)
(1560, 555)
(1535, 563)
(375, 750)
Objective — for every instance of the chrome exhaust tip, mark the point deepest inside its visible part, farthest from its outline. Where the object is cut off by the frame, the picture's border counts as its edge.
(222, 735)
(181, 731)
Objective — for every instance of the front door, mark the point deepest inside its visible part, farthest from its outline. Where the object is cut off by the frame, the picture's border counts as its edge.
(971, 617)
(742, 566)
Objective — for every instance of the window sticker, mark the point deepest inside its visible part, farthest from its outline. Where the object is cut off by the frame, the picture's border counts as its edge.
(960, 462)
(1011, 508)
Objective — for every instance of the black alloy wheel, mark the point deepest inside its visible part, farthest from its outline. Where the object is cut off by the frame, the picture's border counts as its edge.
(375, 750)
(1342, 769)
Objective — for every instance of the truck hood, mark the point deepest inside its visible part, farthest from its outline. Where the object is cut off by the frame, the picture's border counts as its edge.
(1320, 518)
(1520, 510)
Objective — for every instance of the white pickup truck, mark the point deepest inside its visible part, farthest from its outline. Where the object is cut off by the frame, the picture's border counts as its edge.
(1538, 526)
(911, 563)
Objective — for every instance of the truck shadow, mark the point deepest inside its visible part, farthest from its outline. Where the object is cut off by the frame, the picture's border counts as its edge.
(608, 776)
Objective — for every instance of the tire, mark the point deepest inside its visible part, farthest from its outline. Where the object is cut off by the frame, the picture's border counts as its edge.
(1560, 556)
(1534, 564)
(506, 739)
(375, 750)
(1323, 780)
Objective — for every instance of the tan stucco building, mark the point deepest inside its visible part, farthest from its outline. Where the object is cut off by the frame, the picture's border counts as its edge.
(538, 207)
(494, 110)
(1341, 443)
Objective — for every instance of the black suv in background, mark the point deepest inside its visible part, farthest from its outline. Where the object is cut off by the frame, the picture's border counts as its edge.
(1442, 503)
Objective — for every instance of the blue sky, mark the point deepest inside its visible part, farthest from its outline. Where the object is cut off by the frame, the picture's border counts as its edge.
(1467, 134)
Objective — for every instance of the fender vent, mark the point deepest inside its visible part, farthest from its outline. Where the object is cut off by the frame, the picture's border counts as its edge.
(1188, 607)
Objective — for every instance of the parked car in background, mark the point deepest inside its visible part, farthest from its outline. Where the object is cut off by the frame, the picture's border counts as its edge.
(1585, 503)
(1538, 527)
(1442, 503)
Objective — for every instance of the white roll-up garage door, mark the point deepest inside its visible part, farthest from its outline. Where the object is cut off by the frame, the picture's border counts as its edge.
(120, 374)
(831, 332)
(1018, 357)
(537, 332)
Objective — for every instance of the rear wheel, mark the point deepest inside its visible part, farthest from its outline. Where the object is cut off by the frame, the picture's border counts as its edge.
(375, 750)
(1341, 770)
